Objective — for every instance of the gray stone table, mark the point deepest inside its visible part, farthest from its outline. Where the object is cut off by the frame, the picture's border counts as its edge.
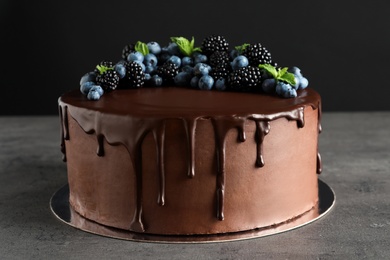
(355, 148)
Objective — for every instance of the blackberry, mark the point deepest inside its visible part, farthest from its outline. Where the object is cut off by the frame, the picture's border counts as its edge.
(219, 58)
(214, 43)
(257, 54)
(219, 62)
(135, 77)
(127, 49)
(219, 72)
(108, 80)
(167, 71)
(247, 79)
(104, 63)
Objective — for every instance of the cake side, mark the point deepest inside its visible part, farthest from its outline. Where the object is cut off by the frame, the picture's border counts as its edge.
(193, 174)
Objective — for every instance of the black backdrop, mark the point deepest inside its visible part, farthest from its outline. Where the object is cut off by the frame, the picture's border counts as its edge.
(341, 46)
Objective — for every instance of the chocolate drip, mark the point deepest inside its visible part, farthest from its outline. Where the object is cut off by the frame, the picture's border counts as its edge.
(63, 111)
(222, 125)
(100, 150)
(159, 136)
(190, 125)
(319, 117)
(66, 123)
(319, 163)
(319, 160)
(262, 129)
(136, 157)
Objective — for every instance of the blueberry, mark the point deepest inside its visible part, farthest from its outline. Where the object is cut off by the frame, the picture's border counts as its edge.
(123, 62)
(98, 89)
(290, 93)
(156, 81)
(135, 56)
(182, 78)
(281, 88)
(120, 69)
(194, 82)
(206, 82)
(86, 86)
(303, 83)
(201, 69)
(285, 90)
(239, 62)
(220, 84)
(175, 60)
(147, 76)
(300, 82)
(93, 95)
(173, 49)
(295, 70)
(201, 58)
(154, 48)
(196, 53)
(234, 53)
(187, 61)
(269, 85)
(150, 59)
(90, 76)
(297, 82)
(188, 68)
(150, 69)
(163, 57)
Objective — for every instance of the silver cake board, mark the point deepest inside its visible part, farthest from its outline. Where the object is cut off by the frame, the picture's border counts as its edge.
(59, 204)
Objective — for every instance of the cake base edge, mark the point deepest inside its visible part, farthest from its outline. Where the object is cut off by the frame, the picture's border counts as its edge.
(59, 205)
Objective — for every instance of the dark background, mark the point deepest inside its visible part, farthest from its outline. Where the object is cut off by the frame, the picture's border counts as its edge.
(341, 46)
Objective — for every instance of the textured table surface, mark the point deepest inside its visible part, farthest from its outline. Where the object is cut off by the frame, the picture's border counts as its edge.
(355, 149)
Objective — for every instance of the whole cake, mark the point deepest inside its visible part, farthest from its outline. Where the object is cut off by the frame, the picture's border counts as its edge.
(179, 140)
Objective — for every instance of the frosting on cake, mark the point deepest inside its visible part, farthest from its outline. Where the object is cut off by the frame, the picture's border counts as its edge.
(213, 137)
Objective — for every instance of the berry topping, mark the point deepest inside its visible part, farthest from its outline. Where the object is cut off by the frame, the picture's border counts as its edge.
(135, 76)
(212, 66)
(214, 43)
(246, 79)
(168, 71)
(127, 49)
(257, 54)
(108, 80)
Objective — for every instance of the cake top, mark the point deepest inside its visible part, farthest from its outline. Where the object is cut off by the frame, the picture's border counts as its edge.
(177, 102)
(212, 66)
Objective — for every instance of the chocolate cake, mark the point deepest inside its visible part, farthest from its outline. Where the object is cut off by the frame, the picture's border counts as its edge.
(178, 160)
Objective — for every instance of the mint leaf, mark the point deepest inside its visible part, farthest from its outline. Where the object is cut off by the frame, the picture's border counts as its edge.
(271, 70)
(241, 48)
(103, 69)
(141, 47)
(279, 74)
(186, 47)
(288, 77)
(282, 71)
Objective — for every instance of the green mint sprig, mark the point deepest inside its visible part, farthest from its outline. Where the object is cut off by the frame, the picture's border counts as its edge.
(141, 47)
(186, 46)
(241, 48)
(280, 74)
(103, 69)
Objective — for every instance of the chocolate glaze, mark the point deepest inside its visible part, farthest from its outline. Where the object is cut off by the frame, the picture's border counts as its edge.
(64, 129)
(127, 116)
(319, 160)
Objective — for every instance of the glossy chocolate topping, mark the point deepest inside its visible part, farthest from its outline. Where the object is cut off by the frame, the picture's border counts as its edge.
(127, 116)
(182, 102)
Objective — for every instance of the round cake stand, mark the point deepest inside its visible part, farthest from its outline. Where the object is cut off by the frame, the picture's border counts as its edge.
(59, 205)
